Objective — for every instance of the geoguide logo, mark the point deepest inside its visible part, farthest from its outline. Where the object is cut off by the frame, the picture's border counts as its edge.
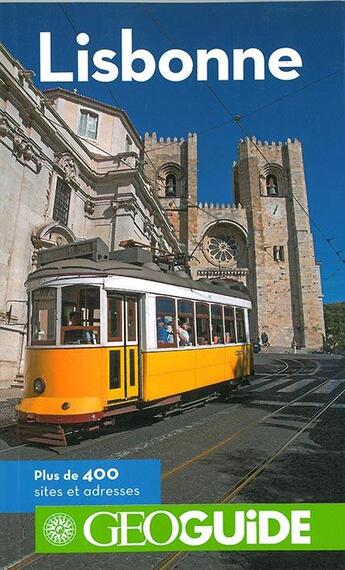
(150, 528)
(59, 529)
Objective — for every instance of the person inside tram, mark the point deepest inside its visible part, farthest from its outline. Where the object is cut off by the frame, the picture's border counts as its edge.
(183, 334)
(171, 330)
(162, 332)
(165, 333)
(75, 319)
(218, 335)
(78, 333)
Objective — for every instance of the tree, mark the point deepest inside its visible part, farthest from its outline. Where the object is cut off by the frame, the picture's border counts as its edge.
(335, 325)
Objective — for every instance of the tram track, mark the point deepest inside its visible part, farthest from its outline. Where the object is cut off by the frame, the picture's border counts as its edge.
(174, 558)
(242, 431)
(170, 560)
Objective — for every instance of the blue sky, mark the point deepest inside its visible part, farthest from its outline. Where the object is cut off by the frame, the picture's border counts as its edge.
(314, 113)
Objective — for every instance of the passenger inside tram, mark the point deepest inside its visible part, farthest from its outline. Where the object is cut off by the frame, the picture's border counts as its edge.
(183, 334)
(81, 318)
(165, 333)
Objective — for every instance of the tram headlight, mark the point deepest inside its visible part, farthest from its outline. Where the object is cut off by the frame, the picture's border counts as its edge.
(39, 386)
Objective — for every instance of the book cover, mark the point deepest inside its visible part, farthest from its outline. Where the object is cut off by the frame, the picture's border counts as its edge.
(171, 285)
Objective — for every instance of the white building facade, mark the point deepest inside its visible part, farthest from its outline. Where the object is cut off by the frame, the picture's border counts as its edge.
(71, 169)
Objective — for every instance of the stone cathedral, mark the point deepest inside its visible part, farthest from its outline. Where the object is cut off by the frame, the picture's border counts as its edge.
(263, 239)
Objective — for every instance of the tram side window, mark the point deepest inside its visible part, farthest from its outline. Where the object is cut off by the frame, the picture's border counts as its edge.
(80, 315)
(241, 330)
(217, 324)
(203, 323)
(114, 319)
(185, 324)
(43, 320)
(229, 320)
(166, 322)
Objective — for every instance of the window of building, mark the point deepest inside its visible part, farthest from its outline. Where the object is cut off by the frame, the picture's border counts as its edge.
(271, 185)
(278, 253)
(281, 253)
(217, 324)
(61, 202)
(240, 326)
(166, 322)
(114, 318)
(80, 320)
(129, 144)
(170, 185)
(185, 324)
(43, 321)
(153, 244)
(203, 323)
(88, 124)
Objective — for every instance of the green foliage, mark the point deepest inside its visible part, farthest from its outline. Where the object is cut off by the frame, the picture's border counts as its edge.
(335, 325)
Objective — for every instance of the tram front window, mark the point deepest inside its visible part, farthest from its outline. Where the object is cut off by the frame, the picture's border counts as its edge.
(80, 321)
(43, 316)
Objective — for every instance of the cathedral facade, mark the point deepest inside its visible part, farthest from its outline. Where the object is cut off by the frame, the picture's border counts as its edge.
(263, 239)
(73, 168)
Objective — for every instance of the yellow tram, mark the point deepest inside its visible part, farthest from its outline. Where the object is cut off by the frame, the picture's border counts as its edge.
(115, 333)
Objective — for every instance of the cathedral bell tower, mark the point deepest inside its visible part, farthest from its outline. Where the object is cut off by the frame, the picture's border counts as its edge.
(284, 278)
(171, 167)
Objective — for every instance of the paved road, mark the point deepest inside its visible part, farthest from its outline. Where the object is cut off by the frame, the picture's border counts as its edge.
(207, 451)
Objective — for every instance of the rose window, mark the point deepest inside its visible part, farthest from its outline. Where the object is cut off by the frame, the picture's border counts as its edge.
(221, 248)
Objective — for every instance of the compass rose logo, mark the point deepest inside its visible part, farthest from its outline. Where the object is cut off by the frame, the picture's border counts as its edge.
(59, 529)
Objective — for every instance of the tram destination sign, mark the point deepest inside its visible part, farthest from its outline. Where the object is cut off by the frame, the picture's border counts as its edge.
(94, 249)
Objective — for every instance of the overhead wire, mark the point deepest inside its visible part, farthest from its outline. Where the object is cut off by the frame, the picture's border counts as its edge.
(238, 118)
(234, 118)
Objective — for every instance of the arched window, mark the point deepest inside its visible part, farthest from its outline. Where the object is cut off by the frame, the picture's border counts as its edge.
(271, 185)
(170, 185)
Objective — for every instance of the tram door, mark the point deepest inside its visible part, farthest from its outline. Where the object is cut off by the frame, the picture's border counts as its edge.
(123, 358)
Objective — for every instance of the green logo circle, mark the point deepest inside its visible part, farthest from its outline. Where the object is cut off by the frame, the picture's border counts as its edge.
(59, 529)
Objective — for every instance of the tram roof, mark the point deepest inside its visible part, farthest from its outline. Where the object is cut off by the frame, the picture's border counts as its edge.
(147, 271)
